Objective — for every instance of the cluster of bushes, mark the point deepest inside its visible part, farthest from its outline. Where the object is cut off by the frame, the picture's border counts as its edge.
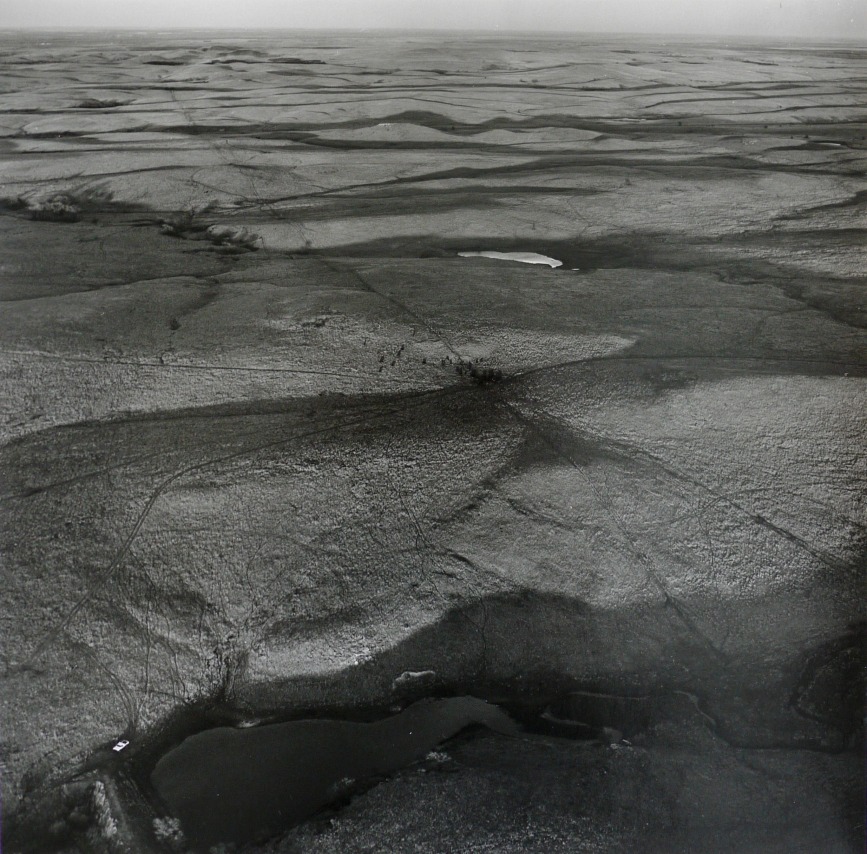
(71, 206)
(186, 225)
(481, 375)
(168, 831)
(67, 206)
(105, 823)
(12, 203)
(60, 207)
(183, 224)
(233, 235)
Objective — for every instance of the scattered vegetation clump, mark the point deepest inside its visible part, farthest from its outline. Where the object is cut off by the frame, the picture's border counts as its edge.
(187, 225)
(316, 322)
(105, 823)
(96, 199)
(168, 831)
(60, 207)
(477, 373)
(342, 787)
(234, 236)
(182, 224)
(71, 205)
(12, 203)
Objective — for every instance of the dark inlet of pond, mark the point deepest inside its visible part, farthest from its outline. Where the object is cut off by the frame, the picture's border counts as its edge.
(241, 785)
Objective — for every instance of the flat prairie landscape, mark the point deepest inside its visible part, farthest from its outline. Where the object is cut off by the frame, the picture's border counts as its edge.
(278, 444)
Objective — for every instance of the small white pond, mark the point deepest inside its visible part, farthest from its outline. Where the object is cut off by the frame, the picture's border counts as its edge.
(523, 257)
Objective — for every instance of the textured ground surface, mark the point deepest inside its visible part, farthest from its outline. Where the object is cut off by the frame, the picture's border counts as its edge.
(240, 468)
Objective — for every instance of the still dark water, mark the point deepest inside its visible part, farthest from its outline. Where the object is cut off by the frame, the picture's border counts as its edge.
(240, 785)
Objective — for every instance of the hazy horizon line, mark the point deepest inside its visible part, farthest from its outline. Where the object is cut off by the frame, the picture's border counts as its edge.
(448, 30)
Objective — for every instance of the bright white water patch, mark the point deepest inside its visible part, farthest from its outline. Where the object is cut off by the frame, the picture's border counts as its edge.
(523, 257)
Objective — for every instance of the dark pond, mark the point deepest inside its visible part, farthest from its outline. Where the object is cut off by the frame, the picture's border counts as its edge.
(240, 785)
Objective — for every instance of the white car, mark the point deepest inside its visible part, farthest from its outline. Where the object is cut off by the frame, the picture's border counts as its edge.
(120, 745)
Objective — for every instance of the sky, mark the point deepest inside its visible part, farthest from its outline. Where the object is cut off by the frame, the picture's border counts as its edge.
(816, 19)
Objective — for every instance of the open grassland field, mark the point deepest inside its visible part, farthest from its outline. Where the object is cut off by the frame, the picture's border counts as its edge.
(271, 447)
